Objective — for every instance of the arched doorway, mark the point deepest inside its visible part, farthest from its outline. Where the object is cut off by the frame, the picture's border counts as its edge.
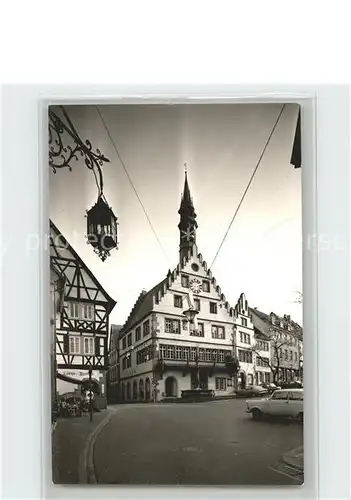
(128, 391)
(94, 384)
(171, 387)
(141, 389)
(135, 390)
(147, 389)
(123, 394)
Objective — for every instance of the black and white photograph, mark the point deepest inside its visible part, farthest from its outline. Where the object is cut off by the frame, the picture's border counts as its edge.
(176, 322)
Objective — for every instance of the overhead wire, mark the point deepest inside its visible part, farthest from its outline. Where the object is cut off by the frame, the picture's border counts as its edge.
(248, 185)
(131, 182)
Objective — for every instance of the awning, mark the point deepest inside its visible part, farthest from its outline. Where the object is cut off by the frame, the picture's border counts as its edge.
(72, 380)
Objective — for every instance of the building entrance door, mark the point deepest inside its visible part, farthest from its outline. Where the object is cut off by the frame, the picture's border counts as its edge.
(171, 387)
(203, 378)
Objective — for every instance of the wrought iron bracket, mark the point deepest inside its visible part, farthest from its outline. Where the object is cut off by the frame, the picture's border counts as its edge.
(62, 154)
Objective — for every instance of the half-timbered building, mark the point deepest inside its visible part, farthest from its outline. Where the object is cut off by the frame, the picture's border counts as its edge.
(82, 326)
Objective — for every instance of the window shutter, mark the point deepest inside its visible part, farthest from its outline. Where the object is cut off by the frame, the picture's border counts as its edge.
(97, 346)
(66, 344)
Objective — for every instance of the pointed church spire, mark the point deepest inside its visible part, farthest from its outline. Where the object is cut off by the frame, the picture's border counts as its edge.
(187, 225)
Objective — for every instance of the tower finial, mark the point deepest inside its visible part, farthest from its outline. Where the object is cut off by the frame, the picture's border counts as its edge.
(185, 167)
(187, 224)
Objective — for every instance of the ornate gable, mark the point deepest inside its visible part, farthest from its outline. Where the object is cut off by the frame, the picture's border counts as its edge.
(80, 283)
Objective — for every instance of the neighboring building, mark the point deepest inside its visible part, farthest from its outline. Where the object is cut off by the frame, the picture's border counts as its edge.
(82, 325)
(161, 352)
(245, 339)
(57, 288)
(285, 341)
(113, 365)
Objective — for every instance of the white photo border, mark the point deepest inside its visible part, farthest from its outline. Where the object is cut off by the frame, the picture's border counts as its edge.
(26, 439)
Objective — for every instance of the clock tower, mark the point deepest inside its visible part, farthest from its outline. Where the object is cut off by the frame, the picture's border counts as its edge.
(187, 225)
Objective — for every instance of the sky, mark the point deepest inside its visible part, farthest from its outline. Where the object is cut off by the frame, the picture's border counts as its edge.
(221, 144)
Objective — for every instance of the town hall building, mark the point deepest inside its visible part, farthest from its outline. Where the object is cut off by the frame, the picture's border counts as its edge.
(183, 334)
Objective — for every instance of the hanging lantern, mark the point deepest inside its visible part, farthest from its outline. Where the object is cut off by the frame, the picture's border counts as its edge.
(102, 228)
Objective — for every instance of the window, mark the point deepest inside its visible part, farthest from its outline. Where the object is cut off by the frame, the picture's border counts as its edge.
(202, 354)
(170, 352)
(172, 325)
(162, 351)
(296, 396)
(267, 377)
(74, 345)
(178, 301)
(245, 338)
(137, 333)
(213, 307)
(245, 356)
(185, 324)
(244, 321)
(221, 356)
(205, 286)
(193, 353)
(185, 281)
(218, 332)
(87, 311)
(73, 310)
(89, 345)
(197, 304)
(286, 354)
(262, 345)
(146, 328)
(124, 363)
(178, 353)
(208, 355)
(77, 310)
(291, 355)
(186, 352)
(199, 332)
(221, 384)
(129, 339)
(280, 395)
(262, 361)
(142, 356)
(124, 343)
(295, 356)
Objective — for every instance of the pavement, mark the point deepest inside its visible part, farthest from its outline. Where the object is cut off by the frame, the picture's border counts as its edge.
(214, 443)
(69, 440)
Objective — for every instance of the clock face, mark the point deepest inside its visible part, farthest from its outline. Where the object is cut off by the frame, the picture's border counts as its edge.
(195, 286)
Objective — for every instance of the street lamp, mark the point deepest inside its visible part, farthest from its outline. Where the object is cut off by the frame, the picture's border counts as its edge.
(101, 221)
(190, 314)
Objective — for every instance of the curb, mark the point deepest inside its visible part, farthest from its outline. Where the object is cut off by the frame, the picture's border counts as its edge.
(86, 469)
(296, 452)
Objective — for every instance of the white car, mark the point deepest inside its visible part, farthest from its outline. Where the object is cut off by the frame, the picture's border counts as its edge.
(282, 403)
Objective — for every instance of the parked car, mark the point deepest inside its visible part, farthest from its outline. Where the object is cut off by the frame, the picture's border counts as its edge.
(251, 391)
(270, 387)
(282, 403)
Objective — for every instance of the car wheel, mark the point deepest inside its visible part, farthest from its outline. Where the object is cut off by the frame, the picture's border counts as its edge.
(256, 414)
(300, 417)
